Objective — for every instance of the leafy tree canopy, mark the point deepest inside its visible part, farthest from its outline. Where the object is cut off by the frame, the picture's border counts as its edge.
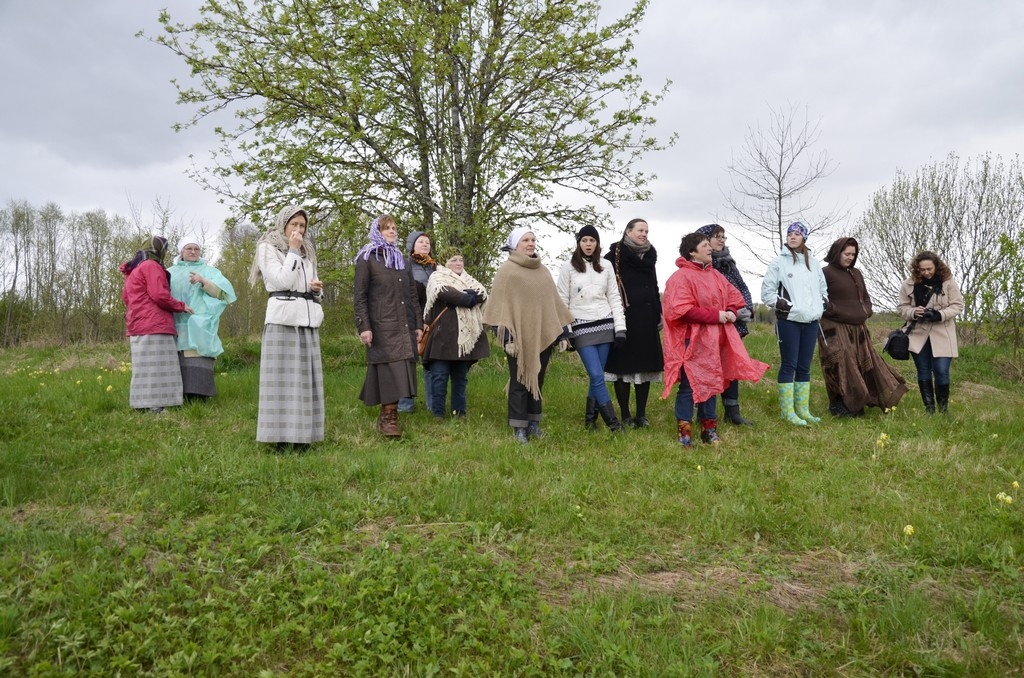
(461, 117)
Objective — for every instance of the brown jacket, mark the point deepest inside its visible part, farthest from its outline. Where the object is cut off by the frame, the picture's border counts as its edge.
(942, 334)
(386, 304)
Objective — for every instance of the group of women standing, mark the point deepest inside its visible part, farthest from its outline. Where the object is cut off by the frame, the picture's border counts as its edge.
(172, 322)
(607, 308)
(829, 307)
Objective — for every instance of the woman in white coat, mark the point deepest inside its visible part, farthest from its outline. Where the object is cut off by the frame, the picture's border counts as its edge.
(291, 374)
(592, 295)
(795, 287)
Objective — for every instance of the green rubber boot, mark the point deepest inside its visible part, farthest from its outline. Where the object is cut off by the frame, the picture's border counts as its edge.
(802, 401)
(786, 405)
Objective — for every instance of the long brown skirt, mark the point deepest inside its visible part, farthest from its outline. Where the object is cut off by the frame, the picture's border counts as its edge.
(385, 383)
(854, 372)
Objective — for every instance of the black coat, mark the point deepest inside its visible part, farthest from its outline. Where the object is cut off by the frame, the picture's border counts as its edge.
(386, 304)
(642, 350)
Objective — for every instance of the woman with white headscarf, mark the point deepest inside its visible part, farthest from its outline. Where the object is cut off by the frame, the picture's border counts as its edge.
(529, 317)
(208, 292)
(149, 323)
(291, 374)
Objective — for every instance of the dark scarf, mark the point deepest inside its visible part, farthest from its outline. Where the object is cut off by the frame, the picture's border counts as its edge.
(926, 289)
(724, 263)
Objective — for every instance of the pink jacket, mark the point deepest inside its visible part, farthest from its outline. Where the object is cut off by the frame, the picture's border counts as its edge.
(712, 352)
(147, 294)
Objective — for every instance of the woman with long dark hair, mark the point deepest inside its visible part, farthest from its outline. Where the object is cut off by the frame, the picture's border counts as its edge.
(855, 375)
(931, 297)
(592, 295)
(638, 361)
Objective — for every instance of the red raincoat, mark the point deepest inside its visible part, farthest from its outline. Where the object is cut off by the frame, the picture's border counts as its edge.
(715, 355)
(147, 294)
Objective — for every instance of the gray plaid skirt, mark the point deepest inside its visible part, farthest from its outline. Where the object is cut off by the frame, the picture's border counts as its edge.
(291, 386)
(156, 377)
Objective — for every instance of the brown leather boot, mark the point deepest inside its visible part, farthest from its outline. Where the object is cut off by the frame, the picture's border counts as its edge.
(388, 422)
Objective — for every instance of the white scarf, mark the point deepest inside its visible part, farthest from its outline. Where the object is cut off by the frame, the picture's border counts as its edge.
(470, 319)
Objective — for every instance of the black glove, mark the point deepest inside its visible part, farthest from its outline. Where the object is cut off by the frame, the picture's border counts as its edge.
(620, 339)
(470, 298)
(782, 305)
(932, 314)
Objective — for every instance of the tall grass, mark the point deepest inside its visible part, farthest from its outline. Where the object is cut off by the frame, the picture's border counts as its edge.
(175, 544)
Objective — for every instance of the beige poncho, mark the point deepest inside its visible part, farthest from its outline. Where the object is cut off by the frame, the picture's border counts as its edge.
(524, 301)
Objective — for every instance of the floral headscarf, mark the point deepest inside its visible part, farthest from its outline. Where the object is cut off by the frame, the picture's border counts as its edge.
(392, 254)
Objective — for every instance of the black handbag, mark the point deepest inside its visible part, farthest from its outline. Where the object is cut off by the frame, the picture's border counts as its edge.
(898, 343)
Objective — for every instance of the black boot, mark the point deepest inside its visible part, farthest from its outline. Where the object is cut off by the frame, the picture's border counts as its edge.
(942, 397)
(608, 414)
(590, 420)
(928, 395)
(733, 416)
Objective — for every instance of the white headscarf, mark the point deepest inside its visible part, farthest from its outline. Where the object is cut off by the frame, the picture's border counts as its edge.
(190, 239)
(515, 236)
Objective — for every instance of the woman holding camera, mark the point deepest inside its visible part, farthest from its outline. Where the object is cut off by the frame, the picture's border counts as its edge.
(931, 297)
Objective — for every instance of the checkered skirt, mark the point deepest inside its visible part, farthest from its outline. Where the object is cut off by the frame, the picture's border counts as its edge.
(156, 377)
(291, 386)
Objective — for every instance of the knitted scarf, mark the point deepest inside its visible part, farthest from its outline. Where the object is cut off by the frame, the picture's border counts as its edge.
(470, 319)
(637, 249)
(525, 302)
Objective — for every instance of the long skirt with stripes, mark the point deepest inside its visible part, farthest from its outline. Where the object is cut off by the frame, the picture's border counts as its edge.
(197, 375)
(291, 386)
(156, 377)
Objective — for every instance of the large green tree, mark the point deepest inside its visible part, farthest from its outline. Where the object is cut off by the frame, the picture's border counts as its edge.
(463, 117)
(957, 209)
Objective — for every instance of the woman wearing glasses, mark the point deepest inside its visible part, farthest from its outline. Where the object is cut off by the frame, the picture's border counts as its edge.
(726, 265)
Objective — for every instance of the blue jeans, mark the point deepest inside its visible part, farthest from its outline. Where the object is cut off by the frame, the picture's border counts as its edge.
(684, 401)
(796, 347)
(409, 404)
(441, 371)
(927, 365)
(594, 359)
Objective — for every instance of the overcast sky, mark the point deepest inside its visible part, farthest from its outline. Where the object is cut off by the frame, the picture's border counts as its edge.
(87, 117)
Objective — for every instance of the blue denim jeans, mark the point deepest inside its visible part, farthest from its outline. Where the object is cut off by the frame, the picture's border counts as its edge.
(796, 348)
(927, 365)
(409, 404)
(684, 401)
(458, 372)
(594, 359)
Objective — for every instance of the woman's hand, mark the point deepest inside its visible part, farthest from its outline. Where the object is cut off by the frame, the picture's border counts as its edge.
(196, 278)
(919, 311)
(419, 335)
(188, 309)
(366, 337)
(316, 285)
(726, 317)
(295, 240)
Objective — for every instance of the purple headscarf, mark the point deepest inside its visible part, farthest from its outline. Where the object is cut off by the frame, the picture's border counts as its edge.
(392, 254)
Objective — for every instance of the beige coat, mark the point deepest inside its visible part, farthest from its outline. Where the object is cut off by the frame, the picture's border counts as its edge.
(949, 304)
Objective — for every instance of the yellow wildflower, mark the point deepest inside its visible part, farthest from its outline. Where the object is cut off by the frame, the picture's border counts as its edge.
(908, 530)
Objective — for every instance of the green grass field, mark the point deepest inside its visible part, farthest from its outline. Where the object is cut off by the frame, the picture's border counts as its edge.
(174, 544)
